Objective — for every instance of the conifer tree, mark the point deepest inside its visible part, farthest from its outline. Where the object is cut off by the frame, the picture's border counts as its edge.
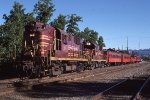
(60, 22)
(44, 10)
(11, 32)
(72, 26)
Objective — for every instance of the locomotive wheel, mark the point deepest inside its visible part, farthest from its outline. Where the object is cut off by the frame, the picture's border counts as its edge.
(83, 68)
(29, 73)
(38, 74)
(80, 68)
(20, 71)
(96, 65)
(92, 66)
(55, 70)
(33, 73)
(62, 70)
(50, 73)
(108, 65)
(103, 64)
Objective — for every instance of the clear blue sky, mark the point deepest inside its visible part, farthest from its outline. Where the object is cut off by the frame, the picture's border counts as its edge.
(115, 20)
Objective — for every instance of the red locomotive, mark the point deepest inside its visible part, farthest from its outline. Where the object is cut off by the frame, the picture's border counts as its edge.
(50, 51)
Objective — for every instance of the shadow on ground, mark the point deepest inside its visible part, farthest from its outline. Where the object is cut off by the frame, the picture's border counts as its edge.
(7, 71)
(70, 89)
(79, 89)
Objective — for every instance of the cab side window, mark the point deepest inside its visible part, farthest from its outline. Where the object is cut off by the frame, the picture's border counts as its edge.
(69, 37)
(76, 40)
(64, 38)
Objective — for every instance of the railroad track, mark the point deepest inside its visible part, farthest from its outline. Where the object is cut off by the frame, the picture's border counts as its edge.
(74, 77)
(128, 89)
(144, 91)
(63, 78)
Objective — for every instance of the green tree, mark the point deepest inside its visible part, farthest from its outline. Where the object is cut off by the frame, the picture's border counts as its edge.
(11, 31)
(44, 10)
(60, 22)
(89, 35)
(28, 18)
(2, 49)
(72, 26)
(100, 42)
(85, 34)
(93, 36)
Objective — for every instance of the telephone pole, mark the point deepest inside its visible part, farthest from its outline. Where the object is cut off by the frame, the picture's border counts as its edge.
(139, 44)
(127, 44)
(139, 48)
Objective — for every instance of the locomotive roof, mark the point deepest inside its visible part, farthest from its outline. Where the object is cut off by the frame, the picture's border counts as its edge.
(61, 31)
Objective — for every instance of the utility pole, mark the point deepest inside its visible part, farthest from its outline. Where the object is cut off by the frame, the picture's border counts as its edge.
(139, 48)
(127, 44)
(139, 44)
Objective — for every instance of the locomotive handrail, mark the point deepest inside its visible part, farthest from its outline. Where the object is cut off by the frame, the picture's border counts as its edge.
(56, 41)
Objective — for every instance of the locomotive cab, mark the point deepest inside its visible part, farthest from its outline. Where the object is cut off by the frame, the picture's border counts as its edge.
(89, 49)
(31, 38)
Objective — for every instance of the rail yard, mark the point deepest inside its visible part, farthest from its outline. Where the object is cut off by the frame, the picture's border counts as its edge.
(54, 64)
(53, 56)
(116, 82)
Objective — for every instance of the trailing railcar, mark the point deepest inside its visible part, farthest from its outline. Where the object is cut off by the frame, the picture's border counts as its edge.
(133, 59)
(138, 59)
(126, 58)
(113, 57)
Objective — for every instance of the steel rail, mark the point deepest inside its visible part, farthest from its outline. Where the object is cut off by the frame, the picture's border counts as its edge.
(98, 96)
(138, 94)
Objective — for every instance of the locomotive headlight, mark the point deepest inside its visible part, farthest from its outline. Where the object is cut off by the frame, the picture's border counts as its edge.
(88, 43)
(32, 35)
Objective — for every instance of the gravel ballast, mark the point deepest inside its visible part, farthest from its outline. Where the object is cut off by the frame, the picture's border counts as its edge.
(82, 89)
